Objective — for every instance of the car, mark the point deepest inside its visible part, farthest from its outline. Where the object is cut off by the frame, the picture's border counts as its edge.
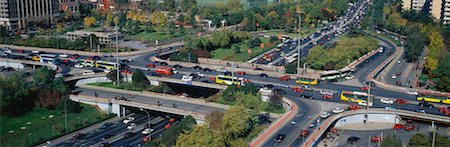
(167, 126)
(128, 120)
(285, 78)
(35, 52)
(293, 123)
(327, 96)
(269, 86)
(150, 65)
(445, 110)
(126, 71)
(207, 69)
(421, 111)
(177, 66)
(307, 88)
(399, 61)
(349, 77)
(364, 103)
(195, 76)
(389, 108)
(131, 126)
(304, 133)
(20, 51)
(338, 110)
(298, 89)
(307, 95)
(128, 134)
(409, 127)
(63, 55)
(7, 51)
(222, 70)
(353, 107)
(172, 120)
(88, 72)
(146, 139)
(262, 75)
(197, 67)
(376, 138)
(353, 139)
(258, 68)
(311, 125)
(147, 131)
(324, 115)
(425, 104)
(401, 101)
(107, 136)
(164, 63)
(241, 72)
(78, 65)
(279, 138)
(79, 136)
(398, 126)
(152, 73)
(279, 90)
(386, 101)
(59, 75)
(227, 73)
(398, 73)
(106, 125)
(394, 76)
(413, 93)
(187, 78)
(364, 88)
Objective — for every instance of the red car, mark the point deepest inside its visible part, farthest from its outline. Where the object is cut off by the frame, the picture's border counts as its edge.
(409, 121)
(241, 73)
(401, 101)
(353, 107)
(126, 71)
(365, 88)
(409, 127)
(285, 78)
(304, 133)
(19, 51)
(167, 126)
(376, 139)
(150, 65)
(445, 110)
(327, 96)
(146, 138)
(398, 126)
(171, 120)
(247, 81)
(298, 89)
(398, 73)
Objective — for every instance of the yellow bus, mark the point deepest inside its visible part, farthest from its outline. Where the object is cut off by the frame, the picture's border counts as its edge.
(229, 80)
(434, 99)
(106, 65)
(353, 96)
(307, 81)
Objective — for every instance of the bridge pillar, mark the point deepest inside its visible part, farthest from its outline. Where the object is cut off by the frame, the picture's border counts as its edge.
(115, 108)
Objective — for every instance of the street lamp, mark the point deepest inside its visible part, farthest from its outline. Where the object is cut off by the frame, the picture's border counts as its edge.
(117, 55)
(65, 115)
(148, 115)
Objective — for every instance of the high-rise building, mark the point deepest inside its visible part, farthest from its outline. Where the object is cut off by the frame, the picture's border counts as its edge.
(439, 9)
(17, 14)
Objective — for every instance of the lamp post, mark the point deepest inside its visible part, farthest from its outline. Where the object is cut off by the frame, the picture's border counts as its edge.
(117, 55)
(299, 56)
(65, 115)
(148, 115)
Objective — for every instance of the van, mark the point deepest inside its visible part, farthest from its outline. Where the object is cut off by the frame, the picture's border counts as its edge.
(88, 72)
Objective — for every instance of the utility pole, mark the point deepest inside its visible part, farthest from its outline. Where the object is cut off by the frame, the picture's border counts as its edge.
(434, 134)
(368, 102)
(65, 115)
(117, 56)
(299, 56)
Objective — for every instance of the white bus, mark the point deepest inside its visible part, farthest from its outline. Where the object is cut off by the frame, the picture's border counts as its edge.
(47, 58)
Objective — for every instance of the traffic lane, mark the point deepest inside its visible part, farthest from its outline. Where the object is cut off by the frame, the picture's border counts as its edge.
(151, 101)
(138, 136)
(154, 135)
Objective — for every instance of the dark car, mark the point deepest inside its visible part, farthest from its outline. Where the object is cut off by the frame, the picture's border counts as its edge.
(9, 69)
(107, 136)
(26, 74)
(426, 104)
(128, 134)
(279, 138)
(98, 70)
(278, 90)
(164, 63)
(177, 66)
(195, 76)
(258, 68)
(152, 73)
(262, 75)
(227, 73)
(197, 67)
(269, 86)
(307, 95)
(107, 125)
(79, 136)
(207, 69)
(205, 81)
(353, 139)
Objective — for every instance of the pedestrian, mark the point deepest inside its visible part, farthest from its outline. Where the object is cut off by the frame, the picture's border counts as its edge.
(95, 94)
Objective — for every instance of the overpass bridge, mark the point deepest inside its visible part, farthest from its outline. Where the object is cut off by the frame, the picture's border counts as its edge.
(8, 60)
(317, 134)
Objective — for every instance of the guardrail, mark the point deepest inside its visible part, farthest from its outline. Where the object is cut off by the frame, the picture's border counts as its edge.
(317, 134)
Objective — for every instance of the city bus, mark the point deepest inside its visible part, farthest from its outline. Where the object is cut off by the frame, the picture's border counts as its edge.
(354, 96)
(229, 80)
(434, 98)
(106, 65)
(335, 74)
(307, 81)
(88, 63)
(47, 58)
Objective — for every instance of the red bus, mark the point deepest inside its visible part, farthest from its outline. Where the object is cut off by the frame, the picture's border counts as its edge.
(163, 70)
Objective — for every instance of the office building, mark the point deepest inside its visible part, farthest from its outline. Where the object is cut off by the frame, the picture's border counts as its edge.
(17, 14)
(107, 38)
(439, 9)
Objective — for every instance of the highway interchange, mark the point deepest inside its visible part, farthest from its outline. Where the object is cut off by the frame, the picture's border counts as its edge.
(308, 109)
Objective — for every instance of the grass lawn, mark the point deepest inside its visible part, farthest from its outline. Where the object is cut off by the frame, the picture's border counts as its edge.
(303, 32)
(145, 36)
(126, 86)
(229, 53)
(41, 125)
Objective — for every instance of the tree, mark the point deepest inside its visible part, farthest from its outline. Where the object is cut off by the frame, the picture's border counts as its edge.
(236, 122)
(3, 33)
(113, 76)
(249, 101)
(391, 141)
(43, 76)
(201, 136)
(442, 73)
(158, 18)
(214, 120)
(169, 137)
(139, 79)
(85, 9)
(236, 48)
(15, 96)
(276, 101)
(182, 30)
(273, 39)
(109, 19)
(186, 5)
(89, 21)
(436, 48)
(59, 27)
(419, 139)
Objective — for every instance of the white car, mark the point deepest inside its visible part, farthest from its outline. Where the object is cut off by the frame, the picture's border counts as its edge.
(186, 78)
(63, 55)
(399, 61)
(128, 120)
(350, 77)
(88, 72)
(324, 115)
(35, 52)
(413, 93)
(394, 77)
(200, 74)
(78, 66)
(222, 70)
(323, 92)
(131, 126)
(7, 51)
(386, 101)
(338, 110)
(364, 103)
(147, 131)
(59, 75)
